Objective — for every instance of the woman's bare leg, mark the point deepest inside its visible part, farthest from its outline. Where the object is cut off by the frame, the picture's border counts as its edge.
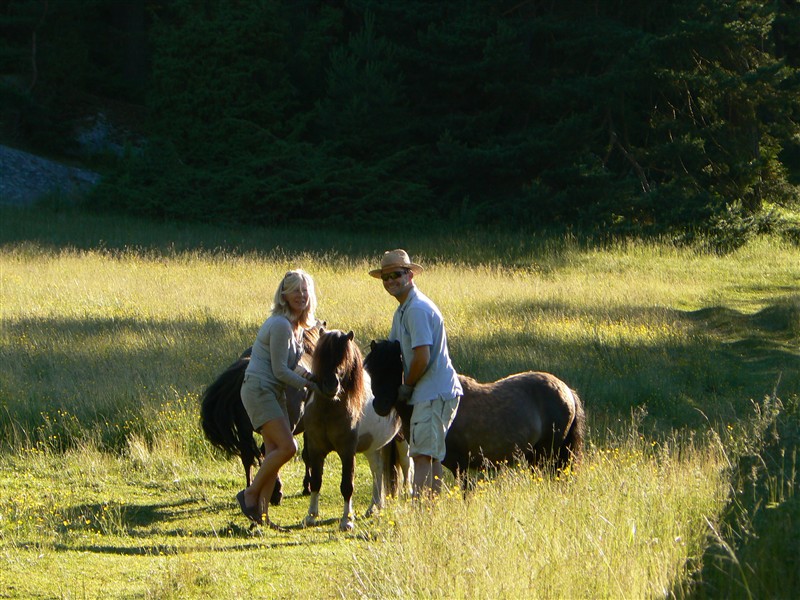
(279, 448)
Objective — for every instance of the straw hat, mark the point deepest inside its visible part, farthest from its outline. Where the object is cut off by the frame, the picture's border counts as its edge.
(396, 259)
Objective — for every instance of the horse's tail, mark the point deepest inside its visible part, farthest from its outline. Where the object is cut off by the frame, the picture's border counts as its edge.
(396, 465)
(389, 475)
(572, 448)
(223, 418)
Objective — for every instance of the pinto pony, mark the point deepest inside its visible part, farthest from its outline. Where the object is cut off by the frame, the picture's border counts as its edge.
(531, 415)
(341, 418)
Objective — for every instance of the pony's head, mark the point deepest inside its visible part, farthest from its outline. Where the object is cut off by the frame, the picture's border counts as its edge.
(384, 364)
(339, 369)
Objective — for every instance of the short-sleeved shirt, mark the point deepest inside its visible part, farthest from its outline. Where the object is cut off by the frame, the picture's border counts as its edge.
(276, 353)
(418, 322)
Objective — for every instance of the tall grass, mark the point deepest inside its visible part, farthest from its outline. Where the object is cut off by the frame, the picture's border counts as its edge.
(111, 328)
(627, 525)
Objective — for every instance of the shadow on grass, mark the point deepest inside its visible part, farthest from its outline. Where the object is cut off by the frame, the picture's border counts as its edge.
(727, 360)
(76, 229)
(277, 542)
(148, 520)
(62, 380)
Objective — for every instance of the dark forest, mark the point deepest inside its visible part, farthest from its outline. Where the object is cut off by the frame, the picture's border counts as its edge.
(646, 117)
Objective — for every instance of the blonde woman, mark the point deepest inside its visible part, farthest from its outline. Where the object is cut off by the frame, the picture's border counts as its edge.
(273, 363)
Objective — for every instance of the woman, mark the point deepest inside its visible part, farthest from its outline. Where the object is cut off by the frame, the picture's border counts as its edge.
(275, 356)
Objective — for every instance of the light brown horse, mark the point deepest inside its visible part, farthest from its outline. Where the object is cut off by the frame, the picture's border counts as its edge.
(530, 415)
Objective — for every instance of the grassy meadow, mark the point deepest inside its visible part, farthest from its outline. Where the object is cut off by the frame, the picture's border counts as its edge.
(688, 363)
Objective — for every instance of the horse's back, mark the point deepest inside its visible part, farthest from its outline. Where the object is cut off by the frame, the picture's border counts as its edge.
(532, 392)
(517, 413)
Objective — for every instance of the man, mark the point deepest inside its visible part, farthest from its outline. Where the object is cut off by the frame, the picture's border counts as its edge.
(430, 383)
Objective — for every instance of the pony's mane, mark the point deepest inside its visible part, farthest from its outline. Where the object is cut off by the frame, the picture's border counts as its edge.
(335, 351)
(311, 337)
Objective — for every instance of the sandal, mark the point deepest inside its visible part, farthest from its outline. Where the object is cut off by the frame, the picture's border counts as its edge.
(251, 512)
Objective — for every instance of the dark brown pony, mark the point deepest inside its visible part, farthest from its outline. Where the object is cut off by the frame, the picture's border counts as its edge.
(530, 415)
(341, 418)
(225, 422)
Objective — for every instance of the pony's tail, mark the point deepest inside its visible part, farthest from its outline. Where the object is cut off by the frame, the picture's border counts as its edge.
(222, 415)
(571, 450)
(396, 472)
(389, 475)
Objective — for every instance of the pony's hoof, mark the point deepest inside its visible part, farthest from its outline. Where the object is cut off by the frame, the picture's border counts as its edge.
(346, 525)
(309, 521)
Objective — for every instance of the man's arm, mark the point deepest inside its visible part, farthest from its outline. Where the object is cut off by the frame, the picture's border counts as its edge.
(419, 364)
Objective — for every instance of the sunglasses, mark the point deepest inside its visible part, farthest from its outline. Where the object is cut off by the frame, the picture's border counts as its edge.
(392, 276)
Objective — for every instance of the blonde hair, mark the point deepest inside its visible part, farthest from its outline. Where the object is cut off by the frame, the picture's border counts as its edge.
(291, 282)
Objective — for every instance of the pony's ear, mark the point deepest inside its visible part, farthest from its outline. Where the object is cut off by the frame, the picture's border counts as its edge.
(372, 345)
(350, 335)
(321, 329)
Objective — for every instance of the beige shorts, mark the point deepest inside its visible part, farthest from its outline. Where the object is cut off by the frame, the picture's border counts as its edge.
(261, 403)
(429, 424)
